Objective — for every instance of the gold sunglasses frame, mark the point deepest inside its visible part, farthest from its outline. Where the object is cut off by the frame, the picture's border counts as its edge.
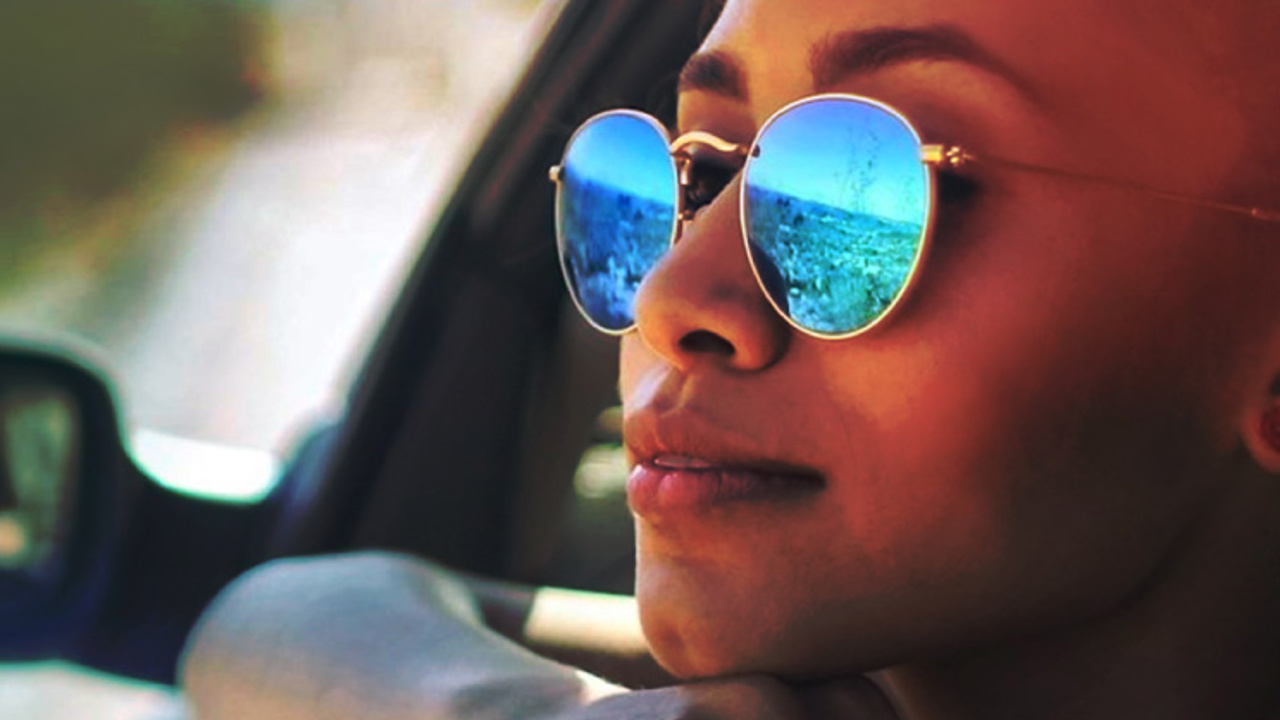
(933, 156)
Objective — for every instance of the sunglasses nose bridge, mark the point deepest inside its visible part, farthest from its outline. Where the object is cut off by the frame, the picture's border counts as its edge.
(710, 140)
(684, 151)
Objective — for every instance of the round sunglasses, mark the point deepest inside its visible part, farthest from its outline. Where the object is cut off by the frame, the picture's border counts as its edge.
(836, 205)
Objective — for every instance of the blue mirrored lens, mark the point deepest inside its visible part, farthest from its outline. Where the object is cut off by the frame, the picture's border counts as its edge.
(617, 213)
(836, 205)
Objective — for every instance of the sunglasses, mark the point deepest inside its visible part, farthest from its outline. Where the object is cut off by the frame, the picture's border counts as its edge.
(836, 203)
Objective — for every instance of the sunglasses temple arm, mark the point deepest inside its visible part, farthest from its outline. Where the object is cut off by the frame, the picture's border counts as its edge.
(954, 157)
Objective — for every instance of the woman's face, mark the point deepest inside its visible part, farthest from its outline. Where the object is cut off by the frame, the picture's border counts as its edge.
(1019, 446)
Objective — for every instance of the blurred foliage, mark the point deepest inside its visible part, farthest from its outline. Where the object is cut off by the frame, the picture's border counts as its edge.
(89, 89)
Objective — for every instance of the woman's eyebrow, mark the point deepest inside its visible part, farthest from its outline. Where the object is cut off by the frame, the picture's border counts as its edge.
(714, 72)
(856, 52)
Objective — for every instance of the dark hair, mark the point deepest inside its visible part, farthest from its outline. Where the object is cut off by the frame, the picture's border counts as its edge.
(711, 10)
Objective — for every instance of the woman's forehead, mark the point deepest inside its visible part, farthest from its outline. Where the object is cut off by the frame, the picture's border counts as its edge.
(781, 39)
(1122, 76)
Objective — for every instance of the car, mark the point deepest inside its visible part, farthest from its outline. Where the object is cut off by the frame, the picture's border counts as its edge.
(480, 431)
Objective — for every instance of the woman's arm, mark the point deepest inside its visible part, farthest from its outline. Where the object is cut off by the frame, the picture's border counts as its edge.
(369, 635)
(380, 636)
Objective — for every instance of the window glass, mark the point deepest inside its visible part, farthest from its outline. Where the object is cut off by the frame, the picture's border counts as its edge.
(224, 196)
(221, 198)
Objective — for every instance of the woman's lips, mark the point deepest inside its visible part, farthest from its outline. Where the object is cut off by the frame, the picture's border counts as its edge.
(672, 484)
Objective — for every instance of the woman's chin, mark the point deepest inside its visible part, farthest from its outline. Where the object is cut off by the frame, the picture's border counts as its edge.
(689, 651)
(714, 629)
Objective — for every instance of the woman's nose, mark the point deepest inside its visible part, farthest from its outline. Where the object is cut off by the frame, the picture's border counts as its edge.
(701, 303)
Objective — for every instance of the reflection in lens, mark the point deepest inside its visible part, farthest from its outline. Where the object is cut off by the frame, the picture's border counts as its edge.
(617, 211)
(775, 285)
(837, 199)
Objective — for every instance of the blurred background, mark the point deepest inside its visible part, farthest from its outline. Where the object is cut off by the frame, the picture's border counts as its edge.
(220, 199)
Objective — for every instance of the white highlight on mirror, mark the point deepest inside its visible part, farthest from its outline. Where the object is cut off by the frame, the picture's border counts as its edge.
(206, 470)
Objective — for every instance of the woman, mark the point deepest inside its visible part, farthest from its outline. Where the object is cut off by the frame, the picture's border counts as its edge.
(1042, 478)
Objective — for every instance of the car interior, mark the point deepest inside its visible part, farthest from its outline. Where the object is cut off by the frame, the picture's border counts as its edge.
(482, 431)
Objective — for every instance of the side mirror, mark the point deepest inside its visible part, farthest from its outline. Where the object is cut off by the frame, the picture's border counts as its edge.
(64, 494)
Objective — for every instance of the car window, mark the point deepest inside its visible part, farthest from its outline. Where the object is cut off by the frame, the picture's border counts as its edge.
(245, 186)
(221, 199)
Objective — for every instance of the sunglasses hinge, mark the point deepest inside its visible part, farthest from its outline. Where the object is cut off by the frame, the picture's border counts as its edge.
(944, 156)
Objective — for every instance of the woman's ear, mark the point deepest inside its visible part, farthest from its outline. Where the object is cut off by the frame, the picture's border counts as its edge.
(1261, 431)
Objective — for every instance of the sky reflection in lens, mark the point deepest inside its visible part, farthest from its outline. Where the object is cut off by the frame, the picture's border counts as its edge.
(837, 200)
(617, 213)
(627, 153)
